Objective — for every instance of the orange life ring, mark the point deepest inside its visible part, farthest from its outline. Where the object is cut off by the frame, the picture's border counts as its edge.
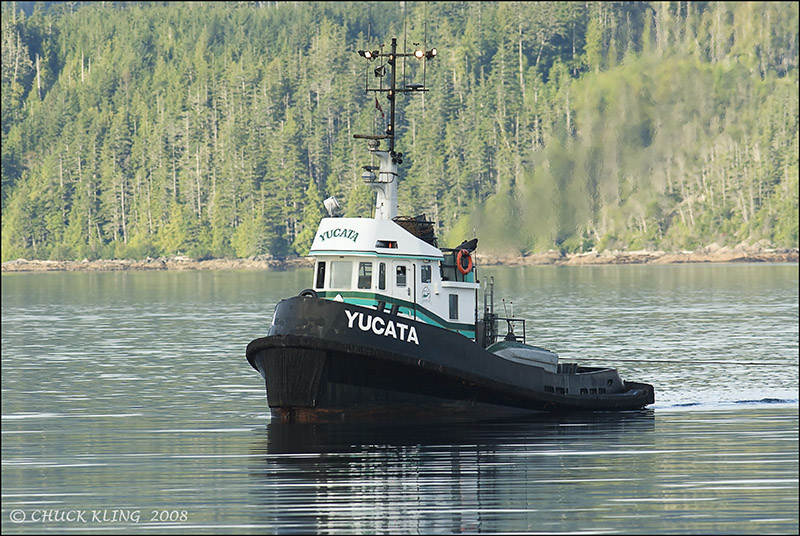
(460, 256)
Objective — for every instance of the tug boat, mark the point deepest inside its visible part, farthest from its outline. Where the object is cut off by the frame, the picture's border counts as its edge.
(390, 326)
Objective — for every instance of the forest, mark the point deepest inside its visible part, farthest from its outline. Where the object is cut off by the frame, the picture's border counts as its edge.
(216, 129)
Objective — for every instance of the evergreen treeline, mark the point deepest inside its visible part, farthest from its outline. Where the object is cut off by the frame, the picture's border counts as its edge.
(216, 129)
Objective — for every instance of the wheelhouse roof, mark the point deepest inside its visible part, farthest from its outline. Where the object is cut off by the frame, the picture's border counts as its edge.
(369, 237)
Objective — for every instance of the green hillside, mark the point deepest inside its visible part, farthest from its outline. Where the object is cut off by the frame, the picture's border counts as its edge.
(136, 129)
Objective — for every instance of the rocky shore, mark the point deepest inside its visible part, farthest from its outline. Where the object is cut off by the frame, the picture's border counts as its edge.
(711, 254)
(161, 263)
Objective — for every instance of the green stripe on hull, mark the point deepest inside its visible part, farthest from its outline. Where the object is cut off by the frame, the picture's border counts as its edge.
(367, 299)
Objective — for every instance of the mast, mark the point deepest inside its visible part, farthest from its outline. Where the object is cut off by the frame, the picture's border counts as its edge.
(385, 182)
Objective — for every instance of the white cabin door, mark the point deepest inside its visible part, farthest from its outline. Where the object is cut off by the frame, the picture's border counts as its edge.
(424, 284)
(403, 287)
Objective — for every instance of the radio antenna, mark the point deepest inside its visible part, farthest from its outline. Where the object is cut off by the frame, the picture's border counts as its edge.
(405, 39)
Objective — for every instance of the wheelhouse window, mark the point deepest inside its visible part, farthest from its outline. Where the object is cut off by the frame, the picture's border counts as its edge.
(320, 274)
(453, 306)
(365, 275)
(341, 274)
(382, 276)
(401, 276)
(425, 273)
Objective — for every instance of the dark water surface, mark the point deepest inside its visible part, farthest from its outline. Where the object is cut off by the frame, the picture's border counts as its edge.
(128, 407)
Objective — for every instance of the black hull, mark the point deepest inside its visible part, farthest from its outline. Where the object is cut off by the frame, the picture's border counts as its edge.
(327, 360)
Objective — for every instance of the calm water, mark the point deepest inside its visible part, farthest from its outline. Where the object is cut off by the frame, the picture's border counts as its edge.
(128, 406)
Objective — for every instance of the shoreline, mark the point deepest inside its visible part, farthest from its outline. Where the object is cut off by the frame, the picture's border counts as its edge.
(554, 258)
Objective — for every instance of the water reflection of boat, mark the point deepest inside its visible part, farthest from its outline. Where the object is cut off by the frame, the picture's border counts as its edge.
(435, 478)
(391, 326)
(354, 437)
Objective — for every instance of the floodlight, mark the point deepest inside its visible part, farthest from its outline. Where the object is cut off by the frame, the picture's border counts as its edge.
(331, 205)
